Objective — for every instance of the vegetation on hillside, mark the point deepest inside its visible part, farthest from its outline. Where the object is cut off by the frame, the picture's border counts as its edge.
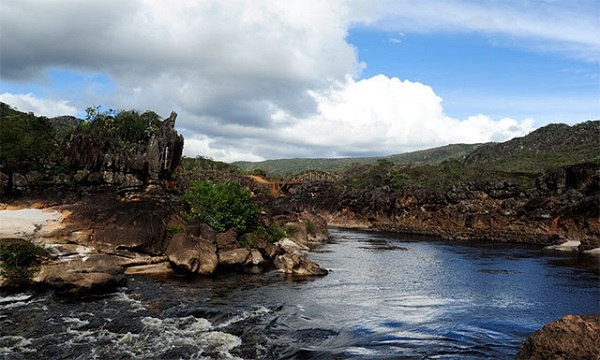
(32, 143)
(286, 167)
(551, 146)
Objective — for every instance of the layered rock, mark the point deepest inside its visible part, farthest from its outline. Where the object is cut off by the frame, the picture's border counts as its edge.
(95, 273)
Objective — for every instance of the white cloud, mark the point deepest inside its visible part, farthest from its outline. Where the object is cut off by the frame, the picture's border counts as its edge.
(386, 115)
(254, 79)
(42, 107)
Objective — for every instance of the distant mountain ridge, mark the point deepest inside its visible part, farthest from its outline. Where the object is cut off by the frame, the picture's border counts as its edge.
(549, 146)
(432, 156)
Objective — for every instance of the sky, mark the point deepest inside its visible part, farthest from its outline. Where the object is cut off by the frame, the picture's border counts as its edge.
(268, 79)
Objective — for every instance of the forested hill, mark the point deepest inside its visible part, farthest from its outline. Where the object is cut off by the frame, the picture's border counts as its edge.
(550, 146)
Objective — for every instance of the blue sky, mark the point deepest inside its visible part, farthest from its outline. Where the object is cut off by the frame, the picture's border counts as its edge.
(496, 73)
(264, 79)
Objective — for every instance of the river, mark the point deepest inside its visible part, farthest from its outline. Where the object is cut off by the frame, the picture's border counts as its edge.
(386, 297)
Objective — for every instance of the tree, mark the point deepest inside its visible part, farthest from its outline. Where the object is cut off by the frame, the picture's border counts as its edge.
(27, 143)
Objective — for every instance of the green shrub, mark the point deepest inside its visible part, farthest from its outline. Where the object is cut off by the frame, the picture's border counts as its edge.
(271, 233)
(223, 206)
(19, 260)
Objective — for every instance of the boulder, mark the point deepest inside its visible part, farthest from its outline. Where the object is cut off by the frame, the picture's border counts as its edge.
(572, 337)
(96, 273)
(234, 257)
(291, 247)
(296, 264)
(267, 250)
(227, 240)
(297, 232)
(256, 258)
(192, 254)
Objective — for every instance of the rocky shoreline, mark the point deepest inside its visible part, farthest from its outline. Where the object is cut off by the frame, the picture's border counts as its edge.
(93, 244)
(562, 211)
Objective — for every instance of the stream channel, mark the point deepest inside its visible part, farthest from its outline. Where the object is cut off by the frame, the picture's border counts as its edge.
(387, 296)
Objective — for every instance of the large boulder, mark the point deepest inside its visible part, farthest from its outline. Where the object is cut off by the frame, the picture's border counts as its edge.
(292, 247)
(96, 273)
(572, 337)
(111, 223)
(192, 254)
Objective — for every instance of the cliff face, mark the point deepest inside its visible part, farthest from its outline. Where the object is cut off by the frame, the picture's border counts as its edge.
(563, 205)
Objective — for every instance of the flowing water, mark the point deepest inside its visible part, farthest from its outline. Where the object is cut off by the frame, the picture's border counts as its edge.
(386, 297)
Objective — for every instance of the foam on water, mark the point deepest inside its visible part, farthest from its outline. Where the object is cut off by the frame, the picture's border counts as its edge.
(11, 345)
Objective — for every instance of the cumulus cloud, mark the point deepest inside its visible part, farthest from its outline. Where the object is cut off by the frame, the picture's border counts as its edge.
(267, 79)
(43, 107)
(382, 115)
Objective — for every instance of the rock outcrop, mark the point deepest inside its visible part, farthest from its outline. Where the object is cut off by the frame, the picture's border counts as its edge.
(296, 264)
(141, 164)
(564, 205)
(94, 157)
(572, 337)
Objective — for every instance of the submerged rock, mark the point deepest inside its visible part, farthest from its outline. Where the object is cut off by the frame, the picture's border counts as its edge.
(572, 337)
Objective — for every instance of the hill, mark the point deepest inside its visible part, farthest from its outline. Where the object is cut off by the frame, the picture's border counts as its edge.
(434, 156)
(551, 146)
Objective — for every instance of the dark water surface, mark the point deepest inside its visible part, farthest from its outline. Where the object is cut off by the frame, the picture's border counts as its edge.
(386, 297)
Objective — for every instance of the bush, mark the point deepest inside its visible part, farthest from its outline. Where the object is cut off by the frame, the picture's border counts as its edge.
(19, 260)
(271, 233)
(223, 206)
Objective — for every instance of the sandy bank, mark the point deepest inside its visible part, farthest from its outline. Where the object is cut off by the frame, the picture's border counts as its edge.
(23, 223)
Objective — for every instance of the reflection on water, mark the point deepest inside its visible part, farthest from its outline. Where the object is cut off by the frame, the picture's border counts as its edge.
(386, 297)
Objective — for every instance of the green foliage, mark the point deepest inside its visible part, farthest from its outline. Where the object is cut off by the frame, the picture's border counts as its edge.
(200, 167)
(19, 261)
(222, 206)
(122, 127)
(27, 142)
(271, 233)
(285, 167)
